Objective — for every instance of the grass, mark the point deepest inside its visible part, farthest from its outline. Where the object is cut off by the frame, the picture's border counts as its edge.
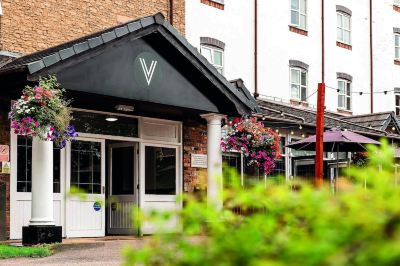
(7, 251)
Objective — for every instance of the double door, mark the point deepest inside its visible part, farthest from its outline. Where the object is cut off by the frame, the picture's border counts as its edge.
(141, 175)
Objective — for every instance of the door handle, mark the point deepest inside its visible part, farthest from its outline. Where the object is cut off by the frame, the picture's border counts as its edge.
(137, 186)
(103, 189)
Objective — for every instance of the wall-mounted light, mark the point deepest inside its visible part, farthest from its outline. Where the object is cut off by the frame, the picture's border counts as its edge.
(111, 118)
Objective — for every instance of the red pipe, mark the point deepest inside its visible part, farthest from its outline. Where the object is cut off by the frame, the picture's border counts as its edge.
(323, 41)
(319, 149)
(256, 94)
(171, 12)
(319, 155)
(371, 57)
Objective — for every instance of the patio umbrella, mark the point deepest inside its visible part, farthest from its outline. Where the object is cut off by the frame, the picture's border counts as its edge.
(335, 140)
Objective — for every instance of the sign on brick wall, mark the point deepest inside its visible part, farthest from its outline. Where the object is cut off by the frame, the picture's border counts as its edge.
(198, 160)
(4, 153)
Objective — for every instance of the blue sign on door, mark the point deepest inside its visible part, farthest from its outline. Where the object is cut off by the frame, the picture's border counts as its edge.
(97, 206)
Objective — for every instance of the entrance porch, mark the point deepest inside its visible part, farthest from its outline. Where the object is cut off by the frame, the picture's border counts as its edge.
(145, 103)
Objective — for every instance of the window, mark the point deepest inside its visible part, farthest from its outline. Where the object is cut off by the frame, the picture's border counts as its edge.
(343, 28)
(344, 96)
(397, 2)
(280, 165)
(86, 166)
(397, 46)
(397, 100)
(24, 166)
(215, 56)
(298, 13)
(298, 84)
(160, 171)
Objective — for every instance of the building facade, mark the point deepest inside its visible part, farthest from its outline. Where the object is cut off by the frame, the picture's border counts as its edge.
(285, 39)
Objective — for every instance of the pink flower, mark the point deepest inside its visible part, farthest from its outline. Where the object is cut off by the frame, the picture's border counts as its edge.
(38, 89)
(38, 96)
(48, 94)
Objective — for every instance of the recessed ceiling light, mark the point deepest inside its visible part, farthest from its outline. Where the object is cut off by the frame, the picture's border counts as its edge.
(111, 119)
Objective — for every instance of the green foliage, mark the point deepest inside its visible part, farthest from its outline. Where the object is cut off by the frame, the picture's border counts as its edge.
(7, 251)
(358, 226)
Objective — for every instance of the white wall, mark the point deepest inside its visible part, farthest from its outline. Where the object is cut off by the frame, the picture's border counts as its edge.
(387, 74)
(234, 26)
(277, 45)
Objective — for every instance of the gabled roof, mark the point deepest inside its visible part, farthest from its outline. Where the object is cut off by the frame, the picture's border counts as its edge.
(287, 113)
(43, 60)
(382, 121)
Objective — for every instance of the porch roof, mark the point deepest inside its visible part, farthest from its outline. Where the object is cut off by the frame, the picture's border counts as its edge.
(302, 116)
(218, 94)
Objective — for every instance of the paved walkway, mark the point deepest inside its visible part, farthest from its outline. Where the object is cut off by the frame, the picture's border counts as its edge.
(82, 252)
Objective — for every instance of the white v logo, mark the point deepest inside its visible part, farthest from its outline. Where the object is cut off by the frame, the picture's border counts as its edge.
(148, 72)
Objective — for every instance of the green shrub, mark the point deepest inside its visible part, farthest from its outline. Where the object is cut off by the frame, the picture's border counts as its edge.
(358, 226)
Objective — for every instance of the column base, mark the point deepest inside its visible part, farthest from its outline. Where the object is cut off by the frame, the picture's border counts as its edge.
(41, 234)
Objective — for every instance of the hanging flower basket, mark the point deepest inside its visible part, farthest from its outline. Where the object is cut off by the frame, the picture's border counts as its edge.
(43, 112)
(260, 145)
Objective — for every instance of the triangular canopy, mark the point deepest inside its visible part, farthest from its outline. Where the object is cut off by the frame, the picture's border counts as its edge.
(145, 60)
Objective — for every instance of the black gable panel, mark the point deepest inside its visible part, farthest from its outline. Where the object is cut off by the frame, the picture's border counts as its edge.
(132, 69)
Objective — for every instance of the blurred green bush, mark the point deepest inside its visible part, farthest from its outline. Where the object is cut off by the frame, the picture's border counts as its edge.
(281, 226)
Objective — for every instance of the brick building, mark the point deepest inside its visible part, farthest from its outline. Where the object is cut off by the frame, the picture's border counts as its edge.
(96, 49)
(30, 26)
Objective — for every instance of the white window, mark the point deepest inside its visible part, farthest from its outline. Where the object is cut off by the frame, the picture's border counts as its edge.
(215, 56)
(397, 46)
(298, 83)
(298, 13)
(397, 100)
(343, 28)
(344, 94)
(397, 2)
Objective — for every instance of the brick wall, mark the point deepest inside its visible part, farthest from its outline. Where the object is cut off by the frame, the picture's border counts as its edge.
(4, 178)
(194, 141)
(29, 26)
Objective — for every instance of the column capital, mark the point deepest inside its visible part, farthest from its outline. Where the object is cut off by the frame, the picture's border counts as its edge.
(213, 117)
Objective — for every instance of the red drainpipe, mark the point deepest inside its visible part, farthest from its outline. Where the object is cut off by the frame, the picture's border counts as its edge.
(171, 12)
(371, 57)
(323, 41)
(256, 94)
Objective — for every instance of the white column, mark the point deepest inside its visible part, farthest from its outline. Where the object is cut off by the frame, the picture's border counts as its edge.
(214, 163)
(42, 183)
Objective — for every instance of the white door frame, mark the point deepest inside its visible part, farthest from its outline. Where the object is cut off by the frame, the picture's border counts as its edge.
(135, 162)
(145, 201)
(89, 197)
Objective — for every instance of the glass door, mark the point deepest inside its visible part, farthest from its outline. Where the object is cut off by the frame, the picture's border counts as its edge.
(161, 183)
(85, 214)
(122, 188)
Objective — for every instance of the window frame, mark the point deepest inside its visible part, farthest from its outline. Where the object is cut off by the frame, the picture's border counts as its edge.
(342, 29)
(299, 14)
(57, 189)
(345, 94)
(213, 49)
(397, 103)
(291, 83)
(397, 47)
